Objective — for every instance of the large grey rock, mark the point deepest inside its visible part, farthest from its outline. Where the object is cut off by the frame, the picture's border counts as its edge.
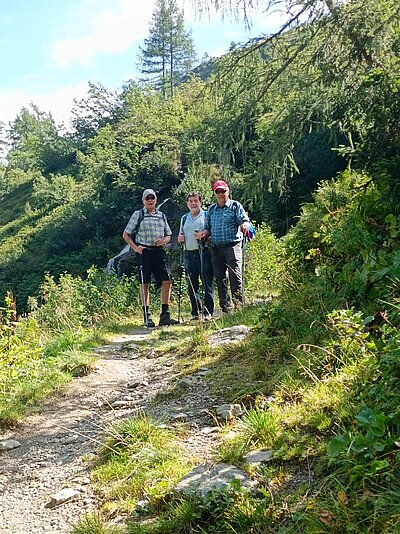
(233, 334)
(205, 478)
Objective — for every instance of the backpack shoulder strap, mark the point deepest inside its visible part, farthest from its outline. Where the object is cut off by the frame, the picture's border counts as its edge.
(139, 222)
(141, 217)
(211, 209)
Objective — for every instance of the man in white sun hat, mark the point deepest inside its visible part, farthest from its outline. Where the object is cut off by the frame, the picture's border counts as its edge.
(147, 233)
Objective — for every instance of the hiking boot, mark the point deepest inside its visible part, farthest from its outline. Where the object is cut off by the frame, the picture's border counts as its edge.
(194, 318)
(166, 320)
(149, 323)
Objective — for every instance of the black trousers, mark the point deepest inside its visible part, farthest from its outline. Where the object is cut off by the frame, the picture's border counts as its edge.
(227, 264)
(196, 270)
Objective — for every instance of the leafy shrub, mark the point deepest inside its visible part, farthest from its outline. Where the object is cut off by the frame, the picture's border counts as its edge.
(347, 237)
(24, 376)
(73, 302)
(263, 262)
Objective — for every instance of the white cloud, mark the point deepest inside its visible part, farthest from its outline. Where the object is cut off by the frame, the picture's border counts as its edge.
(59, 102)
(111, 28)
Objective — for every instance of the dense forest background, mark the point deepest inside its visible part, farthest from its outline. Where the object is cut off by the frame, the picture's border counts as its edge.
(278, 116)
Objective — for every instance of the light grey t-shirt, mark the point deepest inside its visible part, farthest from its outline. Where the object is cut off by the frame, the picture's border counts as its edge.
(192, 224)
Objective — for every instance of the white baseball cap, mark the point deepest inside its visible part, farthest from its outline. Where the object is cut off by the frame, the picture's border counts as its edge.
(147, 192)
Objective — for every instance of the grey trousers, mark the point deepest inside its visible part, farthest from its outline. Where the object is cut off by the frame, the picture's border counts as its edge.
(227, 264)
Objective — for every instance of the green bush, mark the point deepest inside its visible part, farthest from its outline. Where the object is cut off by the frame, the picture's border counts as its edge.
(24, 376)
(73, 302)
(263, 263)
(348, 238)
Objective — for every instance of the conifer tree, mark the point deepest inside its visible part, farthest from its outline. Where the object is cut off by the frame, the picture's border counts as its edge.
(168, 52)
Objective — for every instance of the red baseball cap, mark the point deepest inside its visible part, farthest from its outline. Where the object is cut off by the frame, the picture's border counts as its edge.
(220, 184)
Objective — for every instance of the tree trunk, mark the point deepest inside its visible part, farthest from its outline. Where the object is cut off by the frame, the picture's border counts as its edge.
(171, 69)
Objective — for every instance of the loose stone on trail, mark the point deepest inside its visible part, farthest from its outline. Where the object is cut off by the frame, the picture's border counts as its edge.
(233, 334)
(256, 458)
(9, 444)
(62, 496)
(227, 412)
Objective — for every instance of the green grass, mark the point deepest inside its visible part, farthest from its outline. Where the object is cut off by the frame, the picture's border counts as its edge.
(95, 524)
(138, 461)
(300, 387)
(28, 375)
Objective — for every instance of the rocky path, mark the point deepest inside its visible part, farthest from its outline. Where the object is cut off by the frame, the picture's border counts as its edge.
(56, 445)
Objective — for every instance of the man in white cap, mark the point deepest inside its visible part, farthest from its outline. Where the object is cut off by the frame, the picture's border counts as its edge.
(147, 233)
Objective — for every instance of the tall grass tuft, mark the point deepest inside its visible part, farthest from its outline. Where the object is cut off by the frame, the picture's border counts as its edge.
(260, 427)
(94, 524)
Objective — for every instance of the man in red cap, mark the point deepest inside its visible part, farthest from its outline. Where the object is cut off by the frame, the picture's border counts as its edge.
(225, 223)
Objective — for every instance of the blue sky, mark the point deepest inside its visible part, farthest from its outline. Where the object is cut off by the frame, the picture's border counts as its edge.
(50, 49)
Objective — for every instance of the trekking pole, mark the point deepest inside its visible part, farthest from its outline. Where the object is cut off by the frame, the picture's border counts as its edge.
(180, 283)
(201, 250)
(142, 292)
(244, 239)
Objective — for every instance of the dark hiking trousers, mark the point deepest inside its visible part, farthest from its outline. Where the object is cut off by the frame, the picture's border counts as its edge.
(227, 263)
(194, 275)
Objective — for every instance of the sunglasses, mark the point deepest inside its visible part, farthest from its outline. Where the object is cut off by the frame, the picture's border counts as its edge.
(150, 197)
(218, 191)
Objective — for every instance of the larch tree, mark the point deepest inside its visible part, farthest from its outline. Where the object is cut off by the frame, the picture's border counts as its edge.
(332, 64)
(168, 53)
